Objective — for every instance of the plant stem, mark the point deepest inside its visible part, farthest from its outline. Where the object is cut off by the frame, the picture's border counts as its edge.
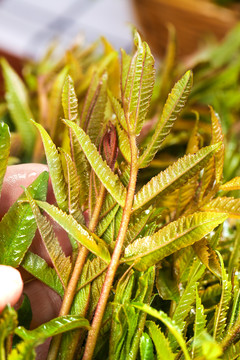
(72, 285)
(97, 320)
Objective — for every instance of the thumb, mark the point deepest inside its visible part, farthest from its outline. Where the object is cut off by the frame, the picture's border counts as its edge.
(11, 286)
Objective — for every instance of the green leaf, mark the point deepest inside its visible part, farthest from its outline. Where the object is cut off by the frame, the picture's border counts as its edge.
(200, 321)
(61, 263)
(100, 167)
(137, 84)
(145, 252)
(18, 226)
(4, 150)
(84, 237)
(69, 100)
(146, 347)
(25, 313)
(55, 168)
(106, 221)
(166, 285)
(174, 176)
(232, 352)
(229, 205)
(38, 267)
(173, 106)
(119, 327)
(187, 299)
(17, 101)
(23, 351)
(220, 318)
(167, 322)
(53, 327)
(8, 322)
(161, 343)
(96, 273)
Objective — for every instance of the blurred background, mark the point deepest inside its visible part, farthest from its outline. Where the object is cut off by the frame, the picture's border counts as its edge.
(28, 27)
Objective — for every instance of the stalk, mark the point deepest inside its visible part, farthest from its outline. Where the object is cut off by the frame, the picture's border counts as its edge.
(72, 285)
(97, 320)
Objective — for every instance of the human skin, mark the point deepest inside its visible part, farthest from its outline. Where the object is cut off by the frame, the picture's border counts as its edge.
(45, 302)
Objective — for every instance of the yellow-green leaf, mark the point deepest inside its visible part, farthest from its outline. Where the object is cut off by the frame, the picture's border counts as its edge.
(174, 104)
(145, 252)
(233, 184)
(4, 150)
(69, 100)
(69, 224)
(137, 84)
(229, 205)
(174, 176)
(55, 168)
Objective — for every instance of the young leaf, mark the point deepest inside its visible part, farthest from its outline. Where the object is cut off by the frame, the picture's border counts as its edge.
(61, 263)
(228, 205)
(137, 84)
(55, 168)
(4, 150)
(123, 143)
(69, 224)
(161, 343)
(146, 347)
(93, 113)
(233, 184)
(51, 328)
(100, 167)
(217, 136)
(74, 188)
(174, 176)
(145, 252)
(54, 110)
(38, 267)
(69, 100)
(17, 101)
(167, 322)
(220, 318)
(18, 226)
(173, 106)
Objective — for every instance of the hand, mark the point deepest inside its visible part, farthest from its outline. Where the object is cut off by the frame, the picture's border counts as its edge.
(45, 302)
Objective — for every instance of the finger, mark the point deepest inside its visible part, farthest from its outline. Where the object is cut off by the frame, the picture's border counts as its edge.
(15, 177)
(11, 286)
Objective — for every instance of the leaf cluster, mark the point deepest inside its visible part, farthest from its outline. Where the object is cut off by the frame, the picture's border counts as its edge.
(151, 255)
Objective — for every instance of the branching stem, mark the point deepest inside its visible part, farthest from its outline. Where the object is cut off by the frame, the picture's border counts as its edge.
(97, 320)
